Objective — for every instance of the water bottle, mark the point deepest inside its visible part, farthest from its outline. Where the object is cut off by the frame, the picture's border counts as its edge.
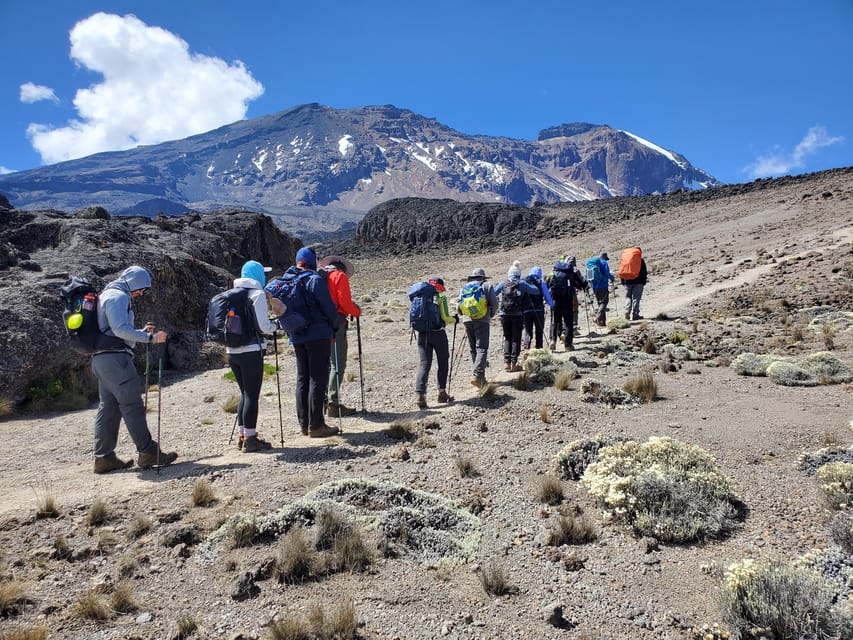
(89, 302)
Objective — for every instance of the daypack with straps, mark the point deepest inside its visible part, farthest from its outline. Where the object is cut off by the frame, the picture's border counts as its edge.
(231, 318)
(511, 297)
(534, 300)
(424, 314)
(595, 274)
(472, 301)
(80, 318)
(561, 284)
(291, 291)
(629, 263)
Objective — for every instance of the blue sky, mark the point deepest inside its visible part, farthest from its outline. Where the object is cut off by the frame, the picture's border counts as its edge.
(741, 88)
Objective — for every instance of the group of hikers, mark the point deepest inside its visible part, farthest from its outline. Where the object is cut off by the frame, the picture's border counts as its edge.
(312, 302)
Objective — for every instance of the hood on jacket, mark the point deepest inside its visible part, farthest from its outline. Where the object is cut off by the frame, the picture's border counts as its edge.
(536, 271)
(135, 278)
(256, 271)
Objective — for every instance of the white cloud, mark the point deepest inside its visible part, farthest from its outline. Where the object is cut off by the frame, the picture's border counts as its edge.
(153, 89)
(5, 170)
(36, 92)
(780, 163)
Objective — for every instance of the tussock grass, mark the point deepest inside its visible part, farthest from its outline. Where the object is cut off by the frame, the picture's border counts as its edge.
(488, 391)
(61, 548)
(106, 542)
(231, 403)
(32, 633)
(522, 382)
(466, 467)
(244, 533)
(352, 552)
(7, 407)
(350, 376)
(494, 579)
(401, 430)
(139, 526)
(544, 414)
(340, 623)
(203, 494)
(649, 345)
(330, 526)
(549, 490)
(642, 385)
(185, 626)
(828, 334)
(572, 529)
(98, 513)
(90, 606)
(297, 559)
(46, 505)
(122, 600)
(563, 379)
(13, 597)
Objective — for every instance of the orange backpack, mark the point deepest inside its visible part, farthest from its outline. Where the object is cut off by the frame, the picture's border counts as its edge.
(629, 264)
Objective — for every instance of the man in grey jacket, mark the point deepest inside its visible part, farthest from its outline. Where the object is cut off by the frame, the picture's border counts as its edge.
(119, 387)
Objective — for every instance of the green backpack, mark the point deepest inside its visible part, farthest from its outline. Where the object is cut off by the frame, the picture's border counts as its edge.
(472, 302)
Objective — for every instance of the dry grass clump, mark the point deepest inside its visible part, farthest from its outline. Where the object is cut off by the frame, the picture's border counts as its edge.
(139, 526)
(352, 552)
(339, 624)
(402, 430)
(203, 494)
(487, 391)
(541, 367)
(549, 490)
(572, 529)
(522, 382)
(563, 379)
(230, 405)
(596, 391)
(185, 626)
(841, 530)
(544, 414)
(836, 482)
(46, 506)
(494, 579)
(33, 633)
(828, 333)
(466, 467)
(770, 598)
(330, 525)
(122, 600)
(106, 542)
(98, 513)
(663, 488)
(61, 548)
(7, 407)
(91, 607)
(297, 559)
(244, 532)
(13, 597)
(643, 386)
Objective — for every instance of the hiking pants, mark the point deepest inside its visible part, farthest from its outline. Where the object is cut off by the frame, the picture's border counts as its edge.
(335, 381)
(120, 394)
(429, 341)
(562, 313)
(602, 296)
(534, 325)
(477, 332)
(633, 293)
(512, 326)
(312, 378)
(248, 368)
(576, 309)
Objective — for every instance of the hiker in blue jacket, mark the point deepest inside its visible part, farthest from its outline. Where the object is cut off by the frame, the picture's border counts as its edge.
(564, 284)
(313, 346)
(534, 309)
(511, 293)
(119, 385)
(599, 276)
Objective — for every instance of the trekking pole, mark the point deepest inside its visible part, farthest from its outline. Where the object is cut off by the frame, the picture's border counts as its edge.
(586, 303)
(159, 402)
(147, 370)
(360, 366)
(233, 429)
(278, 389)
(452, 354)
(338, 384)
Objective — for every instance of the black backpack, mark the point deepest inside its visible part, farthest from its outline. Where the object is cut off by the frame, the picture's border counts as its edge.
(512, 300)
(424, 314)
(231, 318)
(80, 318)
(531, 300)
(561, 283)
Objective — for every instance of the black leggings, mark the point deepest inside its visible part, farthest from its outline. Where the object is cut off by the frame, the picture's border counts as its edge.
(248, 368)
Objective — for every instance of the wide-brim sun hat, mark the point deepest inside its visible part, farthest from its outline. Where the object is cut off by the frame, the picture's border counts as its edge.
(479, 272)
(348, 266)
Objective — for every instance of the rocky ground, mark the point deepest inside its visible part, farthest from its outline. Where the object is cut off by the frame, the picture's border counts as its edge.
(763, 271)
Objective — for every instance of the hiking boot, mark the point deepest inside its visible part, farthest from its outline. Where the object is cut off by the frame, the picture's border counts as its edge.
(479, 381)
(577, 331)
(110, 462)
(323, 431)
(420, 401)
(507, 366)
(240, 440)
(516, 367)
(443, 397)
(304, 429)
(148, 460)
(332, 410)
(627, 316)
(638, 317)
(254, 443)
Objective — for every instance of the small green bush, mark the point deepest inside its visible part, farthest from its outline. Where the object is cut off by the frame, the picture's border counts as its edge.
(836, 482)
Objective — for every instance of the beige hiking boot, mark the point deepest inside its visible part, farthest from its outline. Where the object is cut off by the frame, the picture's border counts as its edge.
(111, 462)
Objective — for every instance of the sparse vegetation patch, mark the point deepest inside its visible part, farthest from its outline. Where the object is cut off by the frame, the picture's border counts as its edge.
(596, 391)
(571, 461)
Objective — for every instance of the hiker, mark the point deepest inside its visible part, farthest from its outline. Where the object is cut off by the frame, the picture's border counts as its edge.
(512, 292)
(338, 271)
(477, 324)
(534, 310)
(312, 344)
(119, 386)
(564, 286)
(599, 276)
(633, 286)
(247, 361)
(434, 340)
(583, 284)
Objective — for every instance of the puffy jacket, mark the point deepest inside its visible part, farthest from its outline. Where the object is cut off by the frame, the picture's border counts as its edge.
(323, 315)
(340, 291)
(536, 302)
(258, 298)
(605, 269)
(523, 286)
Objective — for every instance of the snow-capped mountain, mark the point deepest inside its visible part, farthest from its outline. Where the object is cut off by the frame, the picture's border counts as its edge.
(315, 168)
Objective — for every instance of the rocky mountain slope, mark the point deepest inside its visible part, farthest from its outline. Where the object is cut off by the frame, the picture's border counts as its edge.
(316, 169)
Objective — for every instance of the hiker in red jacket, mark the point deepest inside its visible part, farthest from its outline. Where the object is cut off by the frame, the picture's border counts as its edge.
(338, 272)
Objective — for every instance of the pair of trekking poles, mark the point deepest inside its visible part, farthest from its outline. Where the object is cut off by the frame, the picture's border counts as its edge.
(159, 390)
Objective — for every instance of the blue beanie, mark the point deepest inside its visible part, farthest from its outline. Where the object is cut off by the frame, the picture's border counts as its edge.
(254, 270)
(306, 257)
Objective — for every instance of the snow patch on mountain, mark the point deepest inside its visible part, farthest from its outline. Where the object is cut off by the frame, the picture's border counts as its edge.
(345, 144)
(654, 147)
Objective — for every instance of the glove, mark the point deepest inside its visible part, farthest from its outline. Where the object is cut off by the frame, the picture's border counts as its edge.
(456, 317)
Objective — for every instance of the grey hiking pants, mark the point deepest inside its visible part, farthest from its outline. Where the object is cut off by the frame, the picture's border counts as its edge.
(430, 342)
(335, 382)
(120, 393)
(633, 294)
(602, 297)
(478, 341)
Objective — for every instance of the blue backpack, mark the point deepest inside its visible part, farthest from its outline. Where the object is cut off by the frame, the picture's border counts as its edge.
(424, 314)
(291, 291)
(595, 274)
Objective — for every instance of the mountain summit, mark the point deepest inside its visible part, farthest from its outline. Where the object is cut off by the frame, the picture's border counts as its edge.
(315, 168)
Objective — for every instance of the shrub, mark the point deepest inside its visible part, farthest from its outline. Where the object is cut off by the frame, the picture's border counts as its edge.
(572, 530)
(203, 495)
(791, 374)
(677, 337)
(549, 490)
(824, 363)
(751, 364)
(34, 633)
(771, 598)
(13, 597)
(841, 530)
(596, 391)
(663, 488)
(494, 580)
(811, 462)
(642, 386)
(139, 526)
(543, 368)
(571, 461)
(836, 482)
(466, 468)
(401, 430)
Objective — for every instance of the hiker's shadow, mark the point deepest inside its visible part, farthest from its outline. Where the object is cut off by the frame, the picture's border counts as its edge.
(185, 469)
(383, 416)
(329, 451)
